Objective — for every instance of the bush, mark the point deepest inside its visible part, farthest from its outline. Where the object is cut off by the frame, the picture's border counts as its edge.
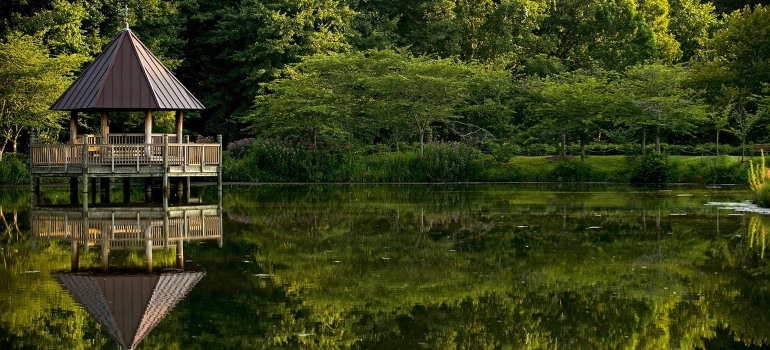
(570, 171)
(448, 162)
(14, 169)
(763, 195)
(651, 168)
(277, 160)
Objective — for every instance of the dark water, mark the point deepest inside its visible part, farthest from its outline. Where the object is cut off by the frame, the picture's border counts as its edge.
(413, 267)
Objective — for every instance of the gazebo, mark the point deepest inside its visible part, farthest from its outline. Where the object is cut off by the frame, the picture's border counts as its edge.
(125, 77)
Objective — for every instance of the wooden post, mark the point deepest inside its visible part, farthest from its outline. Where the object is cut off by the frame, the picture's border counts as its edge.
(166, 190)
(219, 166)
(106, 250)
(179, 117)
(126, 190)
(180, 183)
(148, 248)
(105, 128)
(180, 254)
(73, 127)
(186, 190)
(84, 180)
(148, 189)
(74, 254)
(148, 127)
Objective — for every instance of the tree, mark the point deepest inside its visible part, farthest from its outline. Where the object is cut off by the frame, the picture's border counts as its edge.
(359, 94)
(30, 81)
(608, 34)
(690, 23)
(235, 46)
(570, 105)
(658, 102)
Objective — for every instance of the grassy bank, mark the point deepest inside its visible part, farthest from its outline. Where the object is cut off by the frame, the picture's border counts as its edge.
(450, 163)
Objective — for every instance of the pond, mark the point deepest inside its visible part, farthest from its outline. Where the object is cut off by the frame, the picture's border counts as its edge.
(391, 267)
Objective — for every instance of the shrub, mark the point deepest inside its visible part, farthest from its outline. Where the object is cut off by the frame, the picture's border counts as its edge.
(763, 195)
(570, 171)
(448, 162)
(14, 169)
(651, 168)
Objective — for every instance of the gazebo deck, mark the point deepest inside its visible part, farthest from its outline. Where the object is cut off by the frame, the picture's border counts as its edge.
(126, 155)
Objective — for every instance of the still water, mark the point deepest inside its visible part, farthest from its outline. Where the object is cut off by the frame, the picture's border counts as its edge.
(390, 267)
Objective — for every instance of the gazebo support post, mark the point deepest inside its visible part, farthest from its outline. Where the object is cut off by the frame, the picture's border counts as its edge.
(105, 128)
(148, 189)
(180, 254)
(179, 116)
(73, 127)
(148, 127)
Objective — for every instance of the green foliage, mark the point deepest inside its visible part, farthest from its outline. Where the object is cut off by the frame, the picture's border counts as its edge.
(14, 169)
(570, 171)
(30, 81)
(758, 174)
(652, 168)
(763, 195)
(282, 160)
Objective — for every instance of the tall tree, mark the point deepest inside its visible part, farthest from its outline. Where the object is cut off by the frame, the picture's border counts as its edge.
(609, 34)
(234, 46)
(571, 106)
(658, 102)
(30, 81)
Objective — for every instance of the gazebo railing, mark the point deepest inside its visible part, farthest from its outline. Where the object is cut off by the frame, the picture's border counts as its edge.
(129, 138)
(189, 156)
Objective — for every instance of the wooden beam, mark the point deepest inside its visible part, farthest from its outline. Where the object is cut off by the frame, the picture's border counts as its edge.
(179, 117)
(148, 127)
(73, 127)
(105, 128)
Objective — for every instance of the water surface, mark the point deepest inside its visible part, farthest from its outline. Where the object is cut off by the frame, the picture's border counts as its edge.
(429, 266)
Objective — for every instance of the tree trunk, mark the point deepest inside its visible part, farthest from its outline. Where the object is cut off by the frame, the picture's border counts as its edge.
(582, 148)
(743, 150)
(563, 145)
(2, 149)
(657, 139)
(717, 142)
(644, 142)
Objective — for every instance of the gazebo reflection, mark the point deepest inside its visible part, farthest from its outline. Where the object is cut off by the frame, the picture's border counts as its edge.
(128, 303)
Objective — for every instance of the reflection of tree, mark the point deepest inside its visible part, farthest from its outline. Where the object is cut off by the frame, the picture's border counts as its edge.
(332, 267)
(758, 234)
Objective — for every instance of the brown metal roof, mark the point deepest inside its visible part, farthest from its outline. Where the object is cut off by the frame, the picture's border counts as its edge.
(126, 76)
(129, 307)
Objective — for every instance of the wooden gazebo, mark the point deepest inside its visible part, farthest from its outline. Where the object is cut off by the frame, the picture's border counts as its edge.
(125, 77)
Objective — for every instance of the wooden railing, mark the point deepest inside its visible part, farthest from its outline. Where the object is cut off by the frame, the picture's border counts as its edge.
(128, 232)
(189, 156)
(128, 139)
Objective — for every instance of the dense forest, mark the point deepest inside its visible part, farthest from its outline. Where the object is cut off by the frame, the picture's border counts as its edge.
(320, 81)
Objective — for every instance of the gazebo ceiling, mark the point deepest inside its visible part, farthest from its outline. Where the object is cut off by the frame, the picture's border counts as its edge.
(126, 76)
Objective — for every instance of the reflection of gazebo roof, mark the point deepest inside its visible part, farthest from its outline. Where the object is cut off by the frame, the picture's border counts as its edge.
(129, 307)
(126, 76)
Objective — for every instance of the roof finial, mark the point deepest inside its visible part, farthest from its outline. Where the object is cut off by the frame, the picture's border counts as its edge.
(124, 13)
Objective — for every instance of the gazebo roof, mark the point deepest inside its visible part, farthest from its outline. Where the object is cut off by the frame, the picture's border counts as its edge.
(129, 307)
(126, 76)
